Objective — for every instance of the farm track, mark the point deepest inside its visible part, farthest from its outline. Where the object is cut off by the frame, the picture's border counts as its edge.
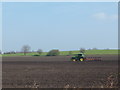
(57, 72)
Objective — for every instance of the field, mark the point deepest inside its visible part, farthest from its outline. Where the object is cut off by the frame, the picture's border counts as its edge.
(59, 72)
(67, 52)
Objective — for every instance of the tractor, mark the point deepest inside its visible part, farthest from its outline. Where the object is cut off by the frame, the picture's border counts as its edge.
(81, 57)
(78, 57)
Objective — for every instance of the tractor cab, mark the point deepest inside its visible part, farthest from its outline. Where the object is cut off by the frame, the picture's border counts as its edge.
(78, 57)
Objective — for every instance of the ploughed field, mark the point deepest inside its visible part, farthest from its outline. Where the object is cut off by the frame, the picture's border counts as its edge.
(58, 72)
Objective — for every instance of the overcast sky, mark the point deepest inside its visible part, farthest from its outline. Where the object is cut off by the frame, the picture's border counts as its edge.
(63, 26)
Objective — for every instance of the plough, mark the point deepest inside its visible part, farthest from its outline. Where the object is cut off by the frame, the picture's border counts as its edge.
(81, 57)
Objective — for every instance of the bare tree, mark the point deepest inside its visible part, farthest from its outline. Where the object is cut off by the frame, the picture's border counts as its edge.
(25, 49)
(39, 51)
(82, 50)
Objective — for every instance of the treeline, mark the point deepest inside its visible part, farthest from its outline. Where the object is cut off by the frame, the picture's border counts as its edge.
(54, 52)
(26, 49)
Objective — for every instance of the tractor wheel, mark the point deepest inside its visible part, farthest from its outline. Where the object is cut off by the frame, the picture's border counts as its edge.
(74, 60)
(81, 59)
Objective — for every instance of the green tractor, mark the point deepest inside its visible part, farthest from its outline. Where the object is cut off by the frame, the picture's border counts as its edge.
(78, 57)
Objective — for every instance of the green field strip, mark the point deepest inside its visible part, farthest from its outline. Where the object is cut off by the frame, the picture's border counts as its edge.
(87, 52)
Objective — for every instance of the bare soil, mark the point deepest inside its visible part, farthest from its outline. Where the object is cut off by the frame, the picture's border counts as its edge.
(58, 72)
